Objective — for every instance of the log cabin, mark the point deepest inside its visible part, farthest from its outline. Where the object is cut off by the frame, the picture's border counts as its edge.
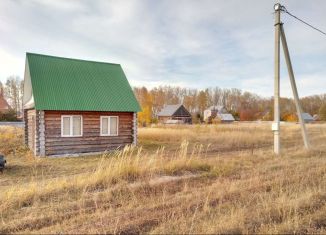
(174, 114)
(74, 107)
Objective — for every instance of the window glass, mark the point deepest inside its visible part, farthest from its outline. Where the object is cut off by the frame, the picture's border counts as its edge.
(76, 124)
(66, 126)
(113, 125)
(105, 125)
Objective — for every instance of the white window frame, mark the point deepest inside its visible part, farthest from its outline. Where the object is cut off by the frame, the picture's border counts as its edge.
(109, 128)
(71, 125)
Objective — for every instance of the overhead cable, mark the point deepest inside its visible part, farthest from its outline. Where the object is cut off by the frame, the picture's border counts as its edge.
(302, 21)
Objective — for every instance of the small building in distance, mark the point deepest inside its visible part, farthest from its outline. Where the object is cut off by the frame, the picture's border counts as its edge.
(225, 117)
(316, 117)
(4, 106)
(307, 117)
(74, 106)
(174, 114)
(217, 113)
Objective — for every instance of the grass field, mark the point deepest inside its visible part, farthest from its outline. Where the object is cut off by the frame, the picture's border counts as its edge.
(185, 179)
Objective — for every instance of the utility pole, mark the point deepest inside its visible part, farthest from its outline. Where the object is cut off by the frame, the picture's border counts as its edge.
(276, 124)
(280, 35)
(294, 89)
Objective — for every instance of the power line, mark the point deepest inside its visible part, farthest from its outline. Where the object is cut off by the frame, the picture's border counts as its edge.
(297, 18)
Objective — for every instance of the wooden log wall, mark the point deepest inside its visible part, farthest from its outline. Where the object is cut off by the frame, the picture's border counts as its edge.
(25, 127)
(41, 133)
(31, 130)
(91, 141)
(135, 128)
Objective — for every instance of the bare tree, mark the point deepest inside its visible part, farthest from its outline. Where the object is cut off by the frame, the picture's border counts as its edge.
(14, 92)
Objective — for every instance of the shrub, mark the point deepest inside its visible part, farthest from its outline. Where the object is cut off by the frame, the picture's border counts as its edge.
(9, 116)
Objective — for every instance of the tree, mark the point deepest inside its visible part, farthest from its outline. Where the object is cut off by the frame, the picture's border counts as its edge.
(202, 101)
(8, 116)
(146, 103)
(145, 116)
(289, 117)
(245, 105)
(247, 115)
(322, 112)
(14, 92)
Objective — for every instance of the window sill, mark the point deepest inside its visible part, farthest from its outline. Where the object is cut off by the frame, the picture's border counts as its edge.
(71, 136)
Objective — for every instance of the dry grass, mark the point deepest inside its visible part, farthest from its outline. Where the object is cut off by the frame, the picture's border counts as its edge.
(189, 179)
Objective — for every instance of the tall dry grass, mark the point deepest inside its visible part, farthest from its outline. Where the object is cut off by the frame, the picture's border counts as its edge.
(186, 185)
(129, 165)
(11, 140)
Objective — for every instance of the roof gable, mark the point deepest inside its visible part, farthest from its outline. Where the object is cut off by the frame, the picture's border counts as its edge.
(226, 117)
(71, 84)
(307, 116)
(174, 109)
(182, 111)
(3, 104)
(169, 110)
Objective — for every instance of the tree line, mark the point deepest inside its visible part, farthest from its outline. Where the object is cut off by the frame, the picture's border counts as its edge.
(243, 105)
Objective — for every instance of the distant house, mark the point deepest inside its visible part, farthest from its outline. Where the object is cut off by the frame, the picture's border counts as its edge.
(174, 114)
(74, 106)
(4, 106)
(307, 117)
(316, 117)
(225, 117)
(217, 112)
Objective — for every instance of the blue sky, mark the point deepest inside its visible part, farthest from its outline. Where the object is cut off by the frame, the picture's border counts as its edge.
(191, 43)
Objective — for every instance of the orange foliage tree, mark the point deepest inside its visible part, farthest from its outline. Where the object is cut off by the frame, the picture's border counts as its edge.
(247, 115)
(146, 102)
(290, 117)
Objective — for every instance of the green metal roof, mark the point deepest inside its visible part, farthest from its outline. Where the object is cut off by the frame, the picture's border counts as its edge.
(72, 84)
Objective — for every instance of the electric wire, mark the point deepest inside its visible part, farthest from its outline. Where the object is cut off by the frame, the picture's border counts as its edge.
(302, 21)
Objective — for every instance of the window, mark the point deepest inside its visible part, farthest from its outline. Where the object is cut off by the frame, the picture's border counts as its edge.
(71, 126)
(109, 125)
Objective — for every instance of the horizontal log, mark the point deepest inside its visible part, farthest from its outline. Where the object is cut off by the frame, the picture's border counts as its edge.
(79, 140)
(92, 132)
(91, 119)
(54, 125)
(58, 138)
(86, 138)
(58, 147)
(86, 113)
(80, 149)
(104, 140)
(83, 146)
(86, 150)
(89, 127)
(50, 124)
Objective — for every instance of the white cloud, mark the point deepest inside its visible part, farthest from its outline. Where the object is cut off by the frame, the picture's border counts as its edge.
(189, 43)
(10, 65)
(61, 5)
